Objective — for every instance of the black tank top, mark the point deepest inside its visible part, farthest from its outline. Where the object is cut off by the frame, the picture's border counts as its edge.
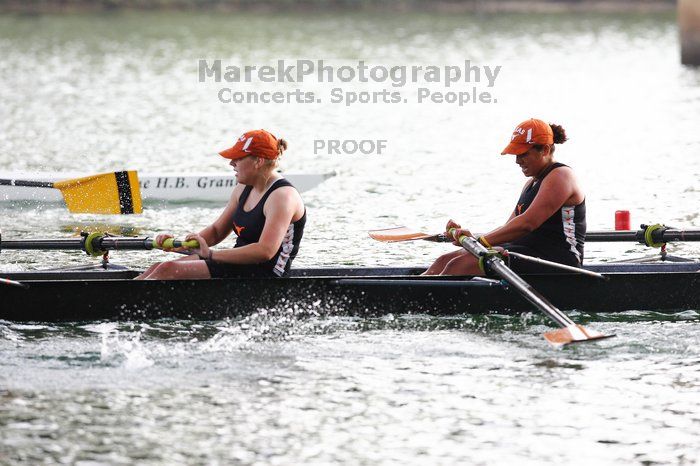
(248, 227)
(563, 232)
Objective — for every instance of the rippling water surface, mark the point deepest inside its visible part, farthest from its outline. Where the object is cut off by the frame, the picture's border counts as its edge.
(106, 92)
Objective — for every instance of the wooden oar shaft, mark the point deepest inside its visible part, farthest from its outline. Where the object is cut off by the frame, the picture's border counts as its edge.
(27, 183)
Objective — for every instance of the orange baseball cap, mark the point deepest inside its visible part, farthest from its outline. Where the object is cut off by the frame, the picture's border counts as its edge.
(257, 142)
(527, 134)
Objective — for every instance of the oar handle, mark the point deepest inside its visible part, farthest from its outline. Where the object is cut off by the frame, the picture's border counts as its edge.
(451, 231)
(172, 243)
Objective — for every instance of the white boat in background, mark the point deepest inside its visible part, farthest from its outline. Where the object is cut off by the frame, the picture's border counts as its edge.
(172, 187)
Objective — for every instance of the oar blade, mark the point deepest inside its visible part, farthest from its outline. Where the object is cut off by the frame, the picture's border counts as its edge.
(396, 234)
(573, 334)
(106, 193)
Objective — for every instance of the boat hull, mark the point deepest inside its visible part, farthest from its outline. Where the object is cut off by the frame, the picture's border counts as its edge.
(112, 295)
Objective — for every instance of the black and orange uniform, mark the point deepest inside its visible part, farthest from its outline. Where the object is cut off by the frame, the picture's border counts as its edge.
(559, 239)
(248, 226)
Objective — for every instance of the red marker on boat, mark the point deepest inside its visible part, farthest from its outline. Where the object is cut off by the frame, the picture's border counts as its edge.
(622, 220)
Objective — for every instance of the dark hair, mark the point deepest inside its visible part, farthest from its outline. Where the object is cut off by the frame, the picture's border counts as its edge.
(559, 133)
(560, 137)
(282, 145)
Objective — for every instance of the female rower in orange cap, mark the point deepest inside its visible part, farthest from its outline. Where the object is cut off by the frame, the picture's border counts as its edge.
(549, 220)
(265, 212)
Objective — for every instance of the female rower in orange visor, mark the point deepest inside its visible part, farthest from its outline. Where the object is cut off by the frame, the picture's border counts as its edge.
(549, 219)
(265, 212)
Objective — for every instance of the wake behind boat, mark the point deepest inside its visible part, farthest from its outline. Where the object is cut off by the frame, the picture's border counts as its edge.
(171, 187)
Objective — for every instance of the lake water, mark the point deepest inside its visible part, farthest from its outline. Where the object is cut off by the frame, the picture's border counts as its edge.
(97, 93)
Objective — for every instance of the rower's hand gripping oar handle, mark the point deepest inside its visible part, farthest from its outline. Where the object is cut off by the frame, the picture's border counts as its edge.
(480, 248)
(486, 256)
(97, 244)
(452, 231)
(172, 243)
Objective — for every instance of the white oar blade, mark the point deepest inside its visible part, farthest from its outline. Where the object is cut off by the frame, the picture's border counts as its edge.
(573, 334)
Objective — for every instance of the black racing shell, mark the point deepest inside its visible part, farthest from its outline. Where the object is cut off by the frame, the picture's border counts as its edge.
(248, 227)
(562, 235)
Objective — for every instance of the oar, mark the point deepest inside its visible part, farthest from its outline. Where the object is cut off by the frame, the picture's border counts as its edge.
(651, 235)
(555, 265)
(396, 234)
(96, 244)
(569, 333)
(106, 193)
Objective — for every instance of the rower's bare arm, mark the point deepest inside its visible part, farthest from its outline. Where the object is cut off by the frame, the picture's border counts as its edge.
(556, 190)
(280, 210)
(222, 226)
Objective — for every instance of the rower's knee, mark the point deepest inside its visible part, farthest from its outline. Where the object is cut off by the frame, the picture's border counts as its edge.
(438, 267)
(439, 264)
(462, 265)
(146, 273)
(162, 271)
(166, 270)
(450, 256)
